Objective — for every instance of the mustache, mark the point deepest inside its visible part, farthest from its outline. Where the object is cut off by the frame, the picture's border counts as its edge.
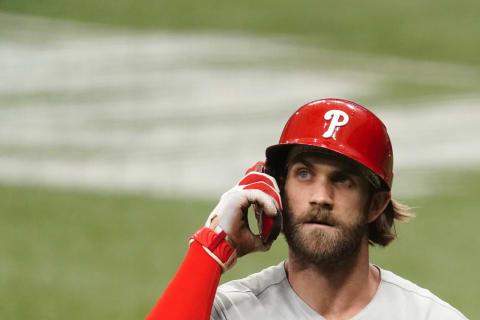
(318, 215)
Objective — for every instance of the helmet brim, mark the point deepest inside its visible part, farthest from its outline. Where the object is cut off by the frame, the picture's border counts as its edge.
(277, 156)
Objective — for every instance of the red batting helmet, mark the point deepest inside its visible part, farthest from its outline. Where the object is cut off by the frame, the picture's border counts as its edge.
(341, 126)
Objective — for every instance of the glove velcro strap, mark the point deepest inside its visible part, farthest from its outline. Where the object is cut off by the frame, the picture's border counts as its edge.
(216, 246)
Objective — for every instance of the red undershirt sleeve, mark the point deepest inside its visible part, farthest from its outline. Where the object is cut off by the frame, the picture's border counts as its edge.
(192, 290)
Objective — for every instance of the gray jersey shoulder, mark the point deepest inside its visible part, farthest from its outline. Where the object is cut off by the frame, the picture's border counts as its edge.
(410, 301)
(268, 295)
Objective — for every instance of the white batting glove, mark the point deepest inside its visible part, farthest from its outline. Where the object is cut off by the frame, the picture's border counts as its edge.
(230, 214)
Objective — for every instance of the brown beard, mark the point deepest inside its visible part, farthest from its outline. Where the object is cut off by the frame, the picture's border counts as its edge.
(326, 249)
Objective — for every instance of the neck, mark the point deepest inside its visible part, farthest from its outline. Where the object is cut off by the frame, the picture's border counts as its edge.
(336, 291)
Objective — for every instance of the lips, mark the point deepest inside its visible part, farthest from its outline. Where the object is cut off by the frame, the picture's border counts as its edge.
(319, 217)
(320, 222)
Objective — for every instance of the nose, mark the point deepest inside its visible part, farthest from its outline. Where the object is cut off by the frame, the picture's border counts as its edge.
(322, 194)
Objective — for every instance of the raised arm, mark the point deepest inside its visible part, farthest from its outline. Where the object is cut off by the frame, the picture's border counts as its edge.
(215, 247)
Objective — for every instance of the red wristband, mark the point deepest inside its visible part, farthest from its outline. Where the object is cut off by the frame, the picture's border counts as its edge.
(216, 246)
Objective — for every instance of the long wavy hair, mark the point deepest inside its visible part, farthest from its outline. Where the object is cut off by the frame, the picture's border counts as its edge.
(382, 230)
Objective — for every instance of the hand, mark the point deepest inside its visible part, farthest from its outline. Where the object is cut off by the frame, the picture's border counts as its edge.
(230, 215)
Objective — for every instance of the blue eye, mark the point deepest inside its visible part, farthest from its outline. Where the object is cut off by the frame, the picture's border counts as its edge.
(303, 174)
(342, 179)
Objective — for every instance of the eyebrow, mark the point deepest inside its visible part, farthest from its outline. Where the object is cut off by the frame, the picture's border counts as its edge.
(304, 162)
(341, 167)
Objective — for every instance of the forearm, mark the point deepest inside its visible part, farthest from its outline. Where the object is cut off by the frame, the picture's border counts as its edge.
(191, 292)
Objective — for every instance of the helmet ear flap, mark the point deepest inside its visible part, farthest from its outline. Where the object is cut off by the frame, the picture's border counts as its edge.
(276, 164)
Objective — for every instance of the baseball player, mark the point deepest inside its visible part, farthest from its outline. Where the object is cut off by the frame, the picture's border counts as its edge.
(328, 182)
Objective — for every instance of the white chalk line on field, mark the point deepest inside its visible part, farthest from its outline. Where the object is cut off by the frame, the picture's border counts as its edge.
(184, 114)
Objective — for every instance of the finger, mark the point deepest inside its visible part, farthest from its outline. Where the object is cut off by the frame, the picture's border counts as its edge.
(268, 203)
(268, 190)
(230, 208)
(259, 245)
(258, 167)
(246, 242)
(257, 177)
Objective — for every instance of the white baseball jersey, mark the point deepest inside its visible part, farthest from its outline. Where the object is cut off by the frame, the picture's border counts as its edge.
(267, 295)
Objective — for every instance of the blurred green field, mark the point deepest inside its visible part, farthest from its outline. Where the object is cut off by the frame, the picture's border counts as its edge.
(83, 255)
(429, 30)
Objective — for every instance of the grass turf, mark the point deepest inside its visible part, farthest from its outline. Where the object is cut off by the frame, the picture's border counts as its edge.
(429, 30)
(80, 255)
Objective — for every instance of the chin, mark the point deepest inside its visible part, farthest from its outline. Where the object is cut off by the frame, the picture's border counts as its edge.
(323, 246)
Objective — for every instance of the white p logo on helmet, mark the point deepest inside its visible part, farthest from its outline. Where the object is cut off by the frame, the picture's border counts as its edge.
(335, 116)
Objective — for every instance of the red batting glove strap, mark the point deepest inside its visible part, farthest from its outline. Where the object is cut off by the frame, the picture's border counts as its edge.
(216, 246)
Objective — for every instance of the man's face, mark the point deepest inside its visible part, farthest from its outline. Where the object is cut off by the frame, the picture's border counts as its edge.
(325, 203)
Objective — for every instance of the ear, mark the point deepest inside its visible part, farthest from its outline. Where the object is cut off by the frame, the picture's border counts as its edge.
(378, 203)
